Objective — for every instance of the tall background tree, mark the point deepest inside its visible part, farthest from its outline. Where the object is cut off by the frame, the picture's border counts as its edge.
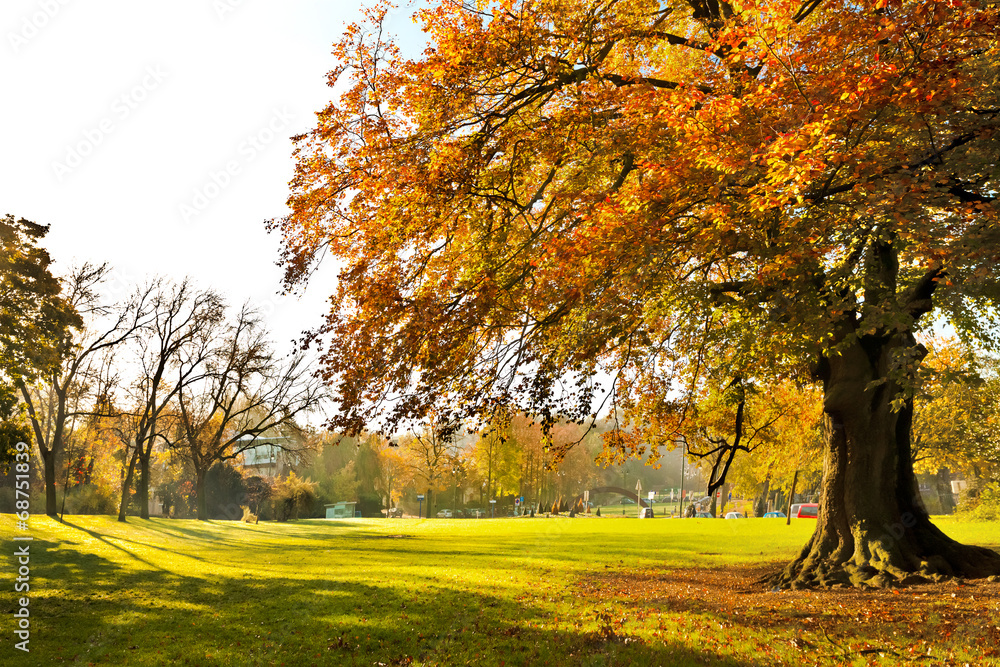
(169, 354)
(245, 391)
(429, 451)
(34, 318)
(956, 432)
(676, 195)
(68, 388)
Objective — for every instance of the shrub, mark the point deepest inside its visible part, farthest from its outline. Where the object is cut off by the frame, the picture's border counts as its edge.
(258, 491)
(370, 504)
(91, 499)
(983, 507)
(225, 491)
(293, 496)
(178, 499)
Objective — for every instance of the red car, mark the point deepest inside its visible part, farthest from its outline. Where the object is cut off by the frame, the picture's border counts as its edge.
(805, 511)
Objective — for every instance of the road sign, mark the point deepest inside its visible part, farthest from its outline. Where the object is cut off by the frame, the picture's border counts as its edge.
(517, 501)
(420, 496)
(651, 495)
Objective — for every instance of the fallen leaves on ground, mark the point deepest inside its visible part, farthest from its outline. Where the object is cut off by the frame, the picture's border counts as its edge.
(947, 623)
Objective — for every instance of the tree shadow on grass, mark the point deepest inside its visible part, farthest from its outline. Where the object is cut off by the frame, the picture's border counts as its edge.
(94, 610)
(293, 530)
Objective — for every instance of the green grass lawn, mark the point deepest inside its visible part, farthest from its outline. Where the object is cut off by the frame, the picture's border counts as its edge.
(539, 591)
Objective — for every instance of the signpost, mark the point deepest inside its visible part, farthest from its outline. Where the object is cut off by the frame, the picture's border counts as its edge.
(420, 499)
(493, 507)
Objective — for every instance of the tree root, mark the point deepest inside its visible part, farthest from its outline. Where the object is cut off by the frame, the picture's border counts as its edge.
(808, 572)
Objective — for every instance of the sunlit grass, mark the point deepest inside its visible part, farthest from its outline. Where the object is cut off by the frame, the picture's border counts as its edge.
(370, 591)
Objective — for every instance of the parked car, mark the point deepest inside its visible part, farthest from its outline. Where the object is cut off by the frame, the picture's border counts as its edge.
(476, 513)
(646, 513)
(627, 501)
(734, 515)
(444, 514)
(805, 511)
(772, 515)
(395, 513)
(704, 515)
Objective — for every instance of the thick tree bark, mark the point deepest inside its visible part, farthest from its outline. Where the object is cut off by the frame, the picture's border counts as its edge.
(49, 461)
(873, 529)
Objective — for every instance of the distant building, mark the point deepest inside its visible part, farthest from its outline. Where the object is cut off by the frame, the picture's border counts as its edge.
(341, 510)
(266, 457)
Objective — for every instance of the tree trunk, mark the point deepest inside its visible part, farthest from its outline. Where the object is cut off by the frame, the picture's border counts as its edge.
(49, 460)
(760, 502)
(199, 489)
(942, 481)
(143, 487)
(127, 487)
(873, 529)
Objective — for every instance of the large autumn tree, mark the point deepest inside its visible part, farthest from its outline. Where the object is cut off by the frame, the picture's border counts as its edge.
(679, 195)
(34, 317)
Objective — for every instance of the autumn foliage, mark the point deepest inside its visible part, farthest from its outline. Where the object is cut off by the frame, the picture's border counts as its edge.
(561, 183)
(676, 196)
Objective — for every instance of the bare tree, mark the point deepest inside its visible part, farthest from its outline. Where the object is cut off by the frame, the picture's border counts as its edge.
(171, 350)
(53, 399)
(246, 391)
(429, 454)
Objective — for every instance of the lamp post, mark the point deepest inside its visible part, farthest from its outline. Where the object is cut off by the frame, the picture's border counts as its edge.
(680, 503)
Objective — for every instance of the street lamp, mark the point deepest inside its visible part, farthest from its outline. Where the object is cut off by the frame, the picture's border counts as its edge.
(624, 484)
(680, 503)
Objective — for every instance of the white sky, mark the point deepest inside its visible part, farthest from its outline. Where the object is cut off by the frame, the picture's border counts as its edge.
(118, 113)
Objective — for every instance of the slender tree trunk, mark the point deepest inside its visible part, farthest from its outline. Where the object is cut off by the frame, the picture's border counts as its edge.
(791, 499)
(127, 487)
(873, 529)
(199, 486)
(143, 487)
(760, 502)
(49, 461)
(942, 481)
